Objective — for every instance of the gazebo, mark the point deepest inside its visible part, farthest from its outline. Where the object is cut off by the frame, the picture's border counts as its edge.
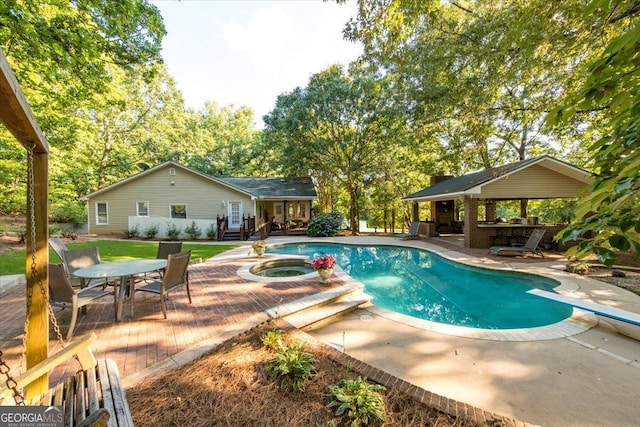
(17, 117)
(542, 177)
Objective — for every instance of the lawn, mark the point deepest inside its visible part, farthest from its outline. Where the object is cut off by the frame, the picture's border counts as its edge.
(14, 262)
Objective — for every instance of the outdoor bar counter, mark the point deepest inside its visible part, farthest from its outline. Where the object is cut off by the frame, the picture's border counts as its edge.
(505, 234)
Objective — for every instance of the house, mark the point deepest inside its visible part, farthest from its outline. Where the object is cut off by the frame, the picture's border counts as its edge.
(542, 177)
(171, 193)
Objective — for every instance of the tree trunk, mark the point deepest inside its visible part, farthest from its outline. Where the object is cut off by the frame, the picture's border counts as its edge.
(353, 211)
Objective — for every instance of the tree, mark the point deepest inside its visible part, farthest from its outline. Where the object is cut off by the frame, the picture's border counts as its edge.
(342, 127)
(64, 54)
(224, 141)
(483, 74)
(610, 208)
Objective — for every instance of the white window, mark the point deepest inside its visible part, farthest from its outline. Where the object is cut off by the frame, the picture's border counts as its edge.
(172, 171)
(142, 208)
(302, 210)
(102, 216)
(179, 211)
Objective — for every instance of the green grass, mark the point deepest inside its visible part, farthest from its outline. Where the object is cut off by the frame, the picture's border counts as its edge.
(110, 250)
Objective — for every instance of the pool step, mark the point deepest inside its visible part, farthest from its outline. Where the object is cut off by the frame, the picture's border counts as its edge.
(319, 315)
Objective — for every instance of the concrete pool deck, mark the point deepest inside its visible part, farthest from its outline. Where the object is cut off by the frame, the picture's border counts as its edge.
(586, 379)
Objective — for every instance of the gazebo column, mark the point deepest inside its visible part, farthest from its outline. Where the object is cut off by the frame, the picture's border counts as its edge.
(470, 221)
(490, 210)
(416, 211)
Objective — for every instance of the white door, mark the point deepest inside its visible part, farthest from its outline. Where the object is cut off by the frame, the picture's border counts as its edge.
(234, 215)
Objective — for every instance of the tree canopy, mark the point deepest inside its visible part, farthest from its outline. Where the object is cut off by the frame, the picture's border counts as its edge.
(341, 128)
(483, 75)
(93, 75)
(610, 209)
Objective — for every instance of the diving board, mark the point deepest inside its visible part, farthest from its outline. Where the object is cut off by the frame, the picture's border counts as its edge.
(599, 309)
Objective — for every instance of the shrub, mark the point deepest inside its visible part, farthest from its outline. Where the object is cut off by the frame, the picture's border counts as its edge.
(53, 229)
(358, 400)
(132, 232)
(68, 211)
(151, 231)
(193, 231)
(293, 366)
(324, 225)
(173, 231)
(212, 232)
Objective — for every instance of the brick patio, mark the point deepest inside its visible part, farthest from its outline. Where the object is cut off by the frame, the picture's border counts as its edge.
(222, 301)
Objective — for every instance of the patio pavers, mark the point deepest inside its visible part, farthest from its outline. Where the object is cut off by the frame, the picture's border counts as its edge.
(222, 302)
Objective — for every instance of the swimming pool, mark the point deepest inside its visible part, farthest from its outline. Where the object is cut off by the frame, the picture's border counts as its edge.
(421, 284)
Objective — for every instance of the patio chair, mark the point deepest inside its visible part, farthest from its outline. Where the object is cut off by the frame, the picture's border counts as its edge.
(164, 250)
(61, 293)
(175, 276)
(76, 259)
(413, 232)
(531, 246)
(58, 246)
(167, 248)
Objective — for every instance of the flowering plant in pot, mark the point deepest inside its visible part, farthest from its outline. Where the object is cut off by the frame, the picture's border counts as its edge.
(259, 246)
(327, 261)
(324, 266)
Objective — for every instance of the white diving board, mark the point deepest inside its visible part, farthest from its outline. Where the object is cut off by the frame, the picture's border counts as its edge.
(599, 309)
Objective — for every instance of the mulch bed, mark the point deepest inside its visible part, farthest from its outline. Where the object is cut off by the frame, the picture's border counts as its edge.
(230, 387)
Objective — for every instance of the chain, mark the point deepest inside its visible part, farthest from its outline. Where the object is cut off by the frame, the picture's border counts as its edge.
(35, 276)
(34, 270)
(10, 382)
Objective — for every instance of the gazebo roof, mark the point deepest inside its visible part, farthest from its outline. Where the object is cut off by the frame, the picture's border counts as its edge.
(524, 179)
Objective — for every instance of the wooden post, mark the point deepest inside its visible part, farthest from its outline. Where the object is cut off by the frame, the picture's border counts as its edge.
(37, 344)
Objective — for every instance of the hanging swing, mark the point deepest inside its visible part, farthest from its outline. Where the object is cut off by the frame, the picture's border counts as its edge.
(94, 396)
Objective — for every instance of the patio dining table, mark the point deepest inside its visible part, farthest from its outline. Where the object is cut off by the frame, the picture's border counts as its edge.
(123, 270)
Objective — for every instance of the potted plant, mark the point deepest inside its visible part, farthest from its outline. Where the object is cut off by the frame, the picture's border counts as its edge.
(324, 266)
(259, 246)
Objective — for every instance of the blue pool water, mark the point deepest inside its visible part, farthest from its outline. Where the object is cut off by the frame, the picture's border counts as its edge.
(422, 284)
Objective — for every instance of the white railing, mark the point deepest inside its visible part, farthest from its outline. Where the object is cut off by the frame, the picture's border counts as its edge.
(145, 222)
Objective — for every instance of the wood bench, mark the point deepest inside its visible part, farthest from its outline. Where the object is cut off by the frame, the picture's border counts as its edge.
(93, 396)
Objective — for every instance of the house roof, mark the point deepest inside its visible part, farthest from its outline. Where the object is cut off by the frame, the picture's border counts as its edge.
(259, 188)
(275, 188)
(473, 183)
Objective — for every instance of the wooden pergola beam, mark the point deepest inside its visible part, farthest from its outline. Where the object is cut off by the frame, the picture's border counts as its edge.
(15, 112)
(17, 117)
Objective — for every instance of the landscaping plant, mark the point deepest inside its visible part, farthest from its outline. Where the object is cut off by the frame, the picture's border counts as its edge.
(273, 339)
(293, 366)
(173, 231)
(151, 231)
(359, 401)
(193, 231)
(212, 232)
(132, 232)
